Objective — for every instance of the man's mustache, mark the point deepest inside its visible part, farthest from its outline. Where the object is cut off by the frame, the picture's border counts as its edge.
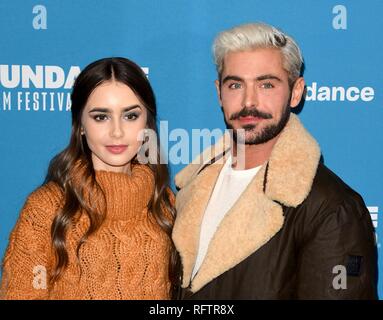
(253, 112)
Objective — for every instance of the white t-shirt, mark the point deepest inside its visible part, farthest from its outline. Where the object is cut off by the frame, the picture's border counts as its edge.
(228, 188)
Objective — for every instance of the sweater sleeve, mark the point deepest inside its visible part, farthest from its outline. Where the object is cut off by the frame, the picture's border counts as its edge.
(26, 261)
(339, 261)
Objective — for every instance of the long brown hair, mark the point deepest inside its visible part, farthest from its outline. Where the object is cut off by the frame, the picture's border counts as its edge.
(61, 167)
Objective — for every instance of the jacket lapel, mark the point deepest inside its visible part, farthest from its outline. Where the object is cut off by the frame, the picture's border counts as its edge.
(191, 203)
(250, 223)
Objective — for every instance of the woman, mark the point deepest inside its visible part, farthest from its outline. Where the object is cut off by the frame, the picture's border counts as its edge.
(100, 225)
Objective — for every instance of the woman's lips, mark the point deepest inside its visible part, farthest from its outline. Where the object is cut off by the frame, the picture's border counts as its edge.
(116, 149)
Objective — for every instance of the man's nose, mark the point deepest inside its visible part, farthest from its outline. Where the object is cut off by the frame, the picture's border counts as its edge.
(250, 97)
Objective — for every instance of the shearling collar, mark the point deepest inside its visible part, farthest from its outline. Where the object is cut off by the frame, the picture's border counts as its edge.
(285, 179)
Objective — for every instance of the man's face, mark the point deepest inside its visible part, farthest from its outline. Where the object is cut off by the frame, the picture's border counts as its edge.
(255, 94)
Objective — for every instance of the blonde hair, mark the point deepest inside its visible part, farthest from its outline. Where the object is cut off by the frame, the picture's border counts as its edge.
(258, 35)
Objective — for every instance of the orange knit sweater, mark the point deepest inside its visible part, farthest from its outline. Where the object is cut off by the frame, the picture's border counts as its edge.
(127, 258)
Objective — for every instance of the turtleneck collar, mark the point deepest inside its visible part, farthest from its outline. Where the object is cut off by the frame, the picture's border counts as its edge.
(127, 195)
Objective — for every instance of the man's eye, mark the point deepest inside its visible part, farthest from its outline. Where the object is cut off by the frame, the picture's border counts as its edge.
(235, 85)
(100, 117)
(267, 85)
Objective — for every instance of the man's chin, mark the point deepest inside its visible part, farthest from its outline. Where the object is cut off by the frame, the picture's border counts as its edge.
(242, 136)
(254, 137)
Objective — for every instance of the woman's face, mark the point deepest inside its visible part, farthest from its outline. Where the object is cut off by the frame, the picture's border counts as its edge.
(113, 121)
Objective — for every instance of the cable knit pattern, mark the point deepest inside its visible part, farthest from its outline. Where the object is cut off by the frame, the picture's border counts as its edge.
(127, 258)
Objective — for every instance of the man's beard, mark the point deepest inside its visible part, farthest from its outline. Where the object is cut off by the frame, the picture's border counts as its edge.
(265, 135)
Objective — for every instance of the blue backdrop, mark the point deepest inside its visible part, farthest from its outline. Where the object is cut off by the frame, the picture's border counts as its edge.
(43, 45)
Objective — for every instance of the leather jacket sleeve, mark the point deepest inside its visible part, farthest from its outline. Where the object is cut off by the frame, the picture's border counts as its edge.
(339, 259)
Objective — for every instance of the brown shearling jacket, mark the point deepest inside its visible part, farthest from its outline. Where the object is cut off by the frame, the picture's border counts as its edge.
(293, 233)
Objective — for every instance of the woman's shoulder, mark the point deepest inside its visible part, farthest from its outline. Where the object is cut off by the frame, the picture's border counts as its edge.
(37, 214)
(45, 200)
(48, 193)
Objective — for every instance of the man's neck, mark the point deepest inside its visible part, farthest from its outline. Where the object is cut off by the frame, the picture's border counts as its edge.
(255, 154)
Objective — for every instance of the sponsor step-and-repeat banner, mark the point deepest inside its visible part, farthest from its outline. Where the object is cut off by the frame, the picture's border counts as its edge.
(45, 44)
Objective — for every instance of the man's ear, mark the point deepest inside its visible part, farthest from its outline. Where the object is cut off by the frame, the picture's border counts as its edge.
(218, 88)
(297, 92)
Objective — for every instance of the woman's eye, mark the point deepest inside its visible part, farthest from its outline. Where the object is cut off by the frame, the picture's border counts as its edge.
(235, 85)
(131, 116)
(100, 117)
(267, 85)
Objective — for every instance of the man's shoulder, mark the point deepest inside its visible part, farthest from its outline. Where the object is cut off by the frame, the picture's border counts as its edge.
(331, 207)
(330, 195)
(328, 185)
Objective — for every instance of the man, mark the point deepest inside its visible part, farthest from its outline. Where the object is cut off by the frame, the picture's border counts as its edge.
(278, 224)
